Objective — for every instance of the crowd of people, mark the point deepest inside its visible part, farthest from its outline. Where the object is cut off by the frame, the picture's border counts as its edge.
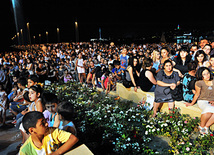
(164, 69)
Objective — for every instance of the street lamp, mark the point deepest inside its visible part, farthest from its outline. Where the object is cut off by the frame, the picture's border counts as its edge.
(39, 38)
(77, 32)
(47, 36)
(28, 29)
(58, 37)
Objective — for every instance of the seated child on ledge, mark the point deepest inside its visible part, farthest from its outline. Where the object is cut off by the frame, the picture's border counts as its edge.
(43, 139)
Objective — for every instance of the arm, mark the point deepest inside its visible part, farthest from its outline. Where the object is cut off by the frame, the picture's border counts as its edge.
(151, 78)
(130, 70)
(66, 146)
(56, 121)
(39, 106)
(197, 94)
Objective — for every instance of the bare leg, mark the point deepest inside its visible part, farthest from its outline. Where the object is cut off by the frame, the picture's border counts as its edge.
(79, 76)
(171, 105)
(4, 116)
(210, 121)
(204, 119)
(155, 108)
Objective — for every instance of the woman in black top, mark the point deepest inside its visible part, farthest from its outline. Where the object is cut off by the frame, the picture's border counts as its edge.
(182, 60)
(146, 79)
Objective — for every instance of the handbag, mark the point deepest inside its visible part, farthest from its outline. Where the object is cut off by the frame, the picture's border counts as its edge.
(177, 93)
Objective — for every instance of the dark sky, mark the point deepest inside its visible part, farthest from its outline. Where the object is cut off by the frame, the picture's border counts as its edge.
(116, 18)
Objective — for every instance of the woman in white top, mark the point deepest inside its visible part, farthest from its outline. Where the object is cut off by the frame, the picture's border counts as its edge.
(80, 67)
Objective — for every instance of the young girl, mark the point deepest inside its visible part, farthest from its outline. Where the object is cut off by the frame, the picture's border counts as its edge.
(80, 67)
(50, 101)
(67, 76)
(36, 105)
(35, 97)
(66, 115)
(3, 99)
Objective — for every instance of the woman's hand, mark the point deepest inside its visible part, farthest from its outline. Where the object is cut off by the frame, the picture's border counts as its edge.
(135, 88)
(187, 104)
(172, 86)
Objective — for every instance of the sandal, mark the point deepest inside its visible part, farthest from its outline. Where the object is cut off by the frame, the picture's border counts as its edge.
(207, 131)
(18, 147)
(202, 130)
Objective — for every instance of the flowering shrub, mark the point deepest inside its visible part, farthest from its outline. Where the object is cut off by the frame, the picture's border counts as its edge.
(128, 128)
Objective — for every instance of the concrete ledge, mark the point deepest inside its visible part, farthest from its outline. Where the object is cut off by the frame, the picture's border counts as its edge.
(130, 94)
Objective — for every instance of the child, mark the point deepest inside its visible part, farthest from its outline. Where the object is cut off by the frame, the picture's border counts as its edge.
(109, 85)
(16, 106)
(13, 92)
(124, 59)
(67, 76)
(66, 115)
(32, 80)
(35, 97)
(50, 101)
(36, 105)
(3, 99)
(117, 71)
(211, 67)
(44, 140)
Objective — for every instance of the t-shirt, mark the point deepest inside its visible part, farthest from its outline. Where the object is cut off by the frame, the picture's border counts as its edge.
(124, 61)
(207, 92)
(52, 141)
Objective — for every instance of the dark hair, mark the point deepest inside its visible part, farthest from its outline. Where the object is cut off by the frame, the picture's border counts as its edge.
(116, 62)
(199, 72)
(208, 45)
(192, 66)
(147, 62)
(131, 61)
(212, 56)
(22, 81)
(49, 98)
(26, 96)
(166, 61)
(66, 110)
(37, 89)
(34, 78)
(30, 119)
(198, 53)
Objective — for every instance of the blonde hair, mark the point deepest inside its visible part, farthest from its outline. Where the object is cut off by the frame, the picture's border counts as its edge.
(154, 55)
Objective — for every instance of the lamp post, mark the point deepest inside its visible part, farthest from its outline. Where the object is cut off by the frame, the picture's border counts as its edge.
(22, 39)
(18, 38)
(34, 39)
(47, 36)
(77, 32)
(28, 29)
(58, 36)
(39, 38)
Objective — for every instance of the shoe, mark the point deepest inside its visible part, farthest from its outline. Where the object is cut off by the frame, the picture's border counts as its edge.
(14, 122)
(207, 130)
(202, 130)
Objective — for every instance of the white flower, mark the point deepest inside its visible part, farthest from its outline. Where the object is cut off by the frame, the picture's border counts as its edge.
(128, 139)
(146, 133)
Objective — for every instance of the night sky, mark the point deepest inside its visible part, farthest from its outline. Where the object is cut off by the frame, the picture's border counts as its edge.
(116, 18)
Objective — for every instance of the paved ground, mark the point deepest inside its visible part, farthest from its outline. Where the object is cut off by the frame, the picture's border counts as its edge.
(10, 137)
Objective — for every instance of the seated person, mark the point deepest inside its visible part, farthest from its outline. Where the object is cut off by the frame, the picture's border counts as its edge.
(117, 71)
(146, 80)
(17, 106)
(44, 140)
(188, 83)
(66, 114)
